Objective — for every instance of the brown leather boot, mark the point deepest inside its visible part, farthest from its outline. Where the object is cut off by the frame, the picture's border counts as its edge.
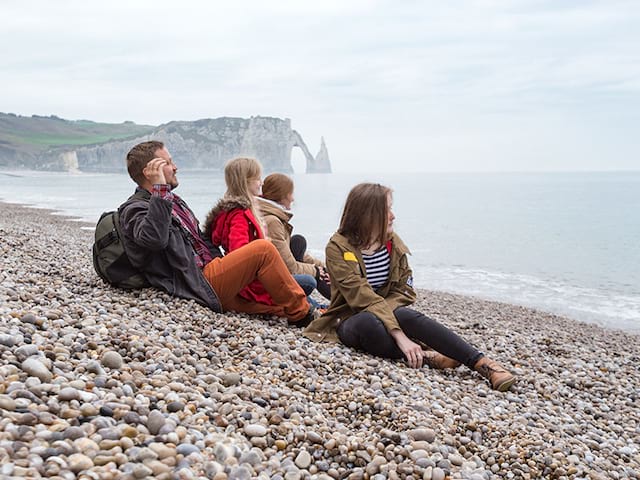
(499, 377)
(437, 360)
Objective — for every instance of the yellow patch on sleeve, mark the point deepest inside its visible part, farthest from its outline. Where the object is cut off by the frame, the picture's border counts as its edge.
(350, 257)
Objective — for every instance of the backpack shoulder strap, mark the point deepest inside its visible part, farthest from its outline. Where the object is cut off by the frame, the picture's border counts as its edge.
(140, 195)
(137, 195)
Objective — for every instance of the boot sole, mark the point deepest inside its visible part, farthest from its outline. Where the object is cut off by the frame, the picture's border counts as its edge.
(506, 385)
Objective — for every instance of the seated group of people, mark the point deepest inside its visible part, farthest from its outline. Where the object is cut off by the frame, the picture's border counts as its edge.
(266, 270)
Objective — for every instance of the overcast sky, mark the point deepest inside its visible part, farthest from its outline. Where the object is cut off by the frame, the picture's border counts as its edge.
(391, 85)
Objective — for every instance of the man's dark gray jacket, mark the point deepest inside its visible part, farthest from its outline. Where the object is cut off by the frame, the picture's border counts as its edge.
(158, 245)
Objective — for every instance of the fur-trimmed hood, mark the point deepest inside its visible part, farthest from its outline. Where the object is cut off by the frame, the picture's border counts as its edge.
(225, 204)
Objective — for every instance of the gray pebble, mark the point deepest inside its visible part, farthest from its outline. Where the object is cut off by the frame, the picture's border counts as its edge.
(29, 318)
(111, 359)
(303, 460)
(155, 421)
(8, 340)
(437, 474)
(231, 379)
(422, 434)
(175, 406)
(187, 449)
(68, 393)
(255, 430)
(33, 366)
(26, 351)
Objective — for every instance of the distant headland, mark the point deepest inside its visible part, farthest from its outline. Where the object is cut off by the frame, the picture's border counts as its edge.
(55, 144)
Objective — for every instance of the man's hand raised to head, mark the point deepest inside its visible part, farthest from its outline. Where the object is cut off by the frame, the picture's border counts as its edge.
(154, 171)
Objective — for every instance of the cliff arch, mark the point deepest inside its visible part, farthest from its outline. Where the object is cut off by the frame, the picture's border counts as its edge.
(299, 142)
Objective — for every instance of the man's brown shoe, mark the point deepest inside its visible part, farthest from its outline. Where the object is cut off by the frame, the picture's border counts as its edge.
(500, 378)
(437, 360)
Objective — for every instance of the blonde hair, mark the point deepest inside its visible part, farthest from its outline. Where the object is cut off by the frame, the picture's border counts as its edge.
(237, 174)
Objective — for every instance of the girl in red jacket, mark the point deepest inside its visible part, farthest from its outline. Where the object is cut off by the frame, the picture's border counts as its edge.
(235, 220)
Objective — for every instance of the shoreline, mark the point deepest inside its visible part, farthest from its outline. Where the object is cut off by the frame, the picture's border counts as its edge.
(89, 225)
(127, 384)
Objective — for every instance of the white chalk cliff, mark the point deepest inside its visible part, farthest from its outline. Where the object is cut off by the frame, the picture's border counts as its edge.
(209, 143)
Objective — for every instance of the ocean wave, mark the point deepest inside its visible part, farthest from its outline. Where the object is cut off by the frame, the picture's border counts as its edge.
(603, 307)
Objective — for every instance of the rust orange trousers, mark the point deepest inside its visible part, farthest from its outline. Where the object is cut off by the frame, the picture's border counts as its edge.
(258, 259)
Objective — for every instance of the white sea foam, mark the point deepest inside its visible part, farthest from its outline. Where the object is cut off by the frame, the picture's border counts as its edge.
(606, 308)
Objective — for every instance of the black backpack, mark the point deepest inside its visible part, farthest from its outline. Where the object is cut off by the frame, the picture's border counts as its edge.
(109, 258)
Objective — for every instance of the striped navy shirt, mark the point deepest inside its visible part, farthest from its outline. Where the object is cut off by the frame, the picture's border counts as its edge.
(377, 266)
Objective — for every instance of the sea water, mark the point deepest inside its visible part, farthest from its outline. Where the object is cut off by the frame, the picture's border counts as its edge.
(566, 243)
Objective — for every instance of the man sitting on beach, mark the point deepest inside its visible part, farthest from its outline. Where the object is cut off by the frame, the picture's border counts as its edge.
(162, 239)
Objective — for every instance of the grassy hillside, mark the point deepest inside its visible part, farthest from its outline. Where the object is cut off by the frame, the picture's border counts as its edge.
(35, 134)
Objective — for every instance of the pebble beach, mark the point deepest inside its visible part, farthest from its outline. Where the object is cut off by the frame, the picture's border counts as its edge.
(101, 383)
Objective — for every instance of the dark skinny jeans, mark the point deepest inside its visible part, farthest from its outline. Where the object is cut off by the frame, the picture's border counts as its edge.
(298, 246)
(364, 331)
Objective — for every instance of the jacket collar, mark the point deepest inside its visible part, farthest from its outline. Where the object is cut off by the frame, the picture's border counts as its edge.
(274, 208)
(396, 244)
(226, 204)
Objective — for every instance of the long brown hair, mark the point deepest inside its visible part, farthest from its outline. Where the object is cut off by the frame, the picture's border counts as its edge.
(276, 187)
(366, 215)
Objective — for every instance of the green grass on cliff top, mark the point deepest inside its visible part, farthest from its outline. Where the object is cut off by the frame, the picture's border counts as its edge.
(40, 133)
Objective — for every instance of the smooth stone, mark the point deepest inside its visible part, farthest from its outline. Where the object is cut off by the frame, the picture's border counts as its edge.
(27, 419)
(166, 429)
(68, 394)
(129, 431)
(94, 367)
(422, 434)
(222, 452)
(7, 469)
(175, 407)
(303, 460)
(131, 417)
(255, 430)
(111, 359)
(374, 465)
(29, 318)
(313, 437)
(260, 442)
(8, 340)
(7, 403)
(162, 450)
(106, 411)
(155, 421)
(187, 449)
(437, 474)
(240, 473)
(141, 471)
(73, 433)
(36, 368)
(212, 469)
(251, 457)
(158, 468)
(79, 462)
(231, 379)
(428, 473)
(418, 454)
(102, 460)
